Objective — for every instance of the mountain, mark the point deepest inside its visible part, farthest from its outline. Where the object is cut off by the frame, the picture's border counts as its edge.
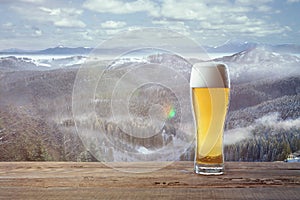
(65, 50)
(260, 63)
(61, 62)
(51, 51)
(286, 48)
(230, 46)
(14, 63)
(37, 122)
(257, 92)
(30, 126)
(235, 46)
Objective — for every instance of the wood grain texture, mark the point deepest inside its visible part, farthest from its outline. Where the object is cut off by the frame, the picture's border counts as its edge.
(67, 180)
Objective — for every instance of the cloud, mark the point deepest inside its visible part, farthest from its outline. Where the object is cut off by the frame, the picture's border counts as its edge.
(244, 26)
(201, 10)
(86, 35)
(251, 2)
(60, 17)
(184, 10)
(38, 33)
(271, 120)
(69, 23)
(64, 17)
(236, 135)
(120, 7)
(51, 12)
(33, 1)
(7, 25)
(178, 26)
(22, 1)
(113, 24)
(113, 27)
(62, 11)
(218, 19)
(113, 31)
(209, 22)
(293, 1)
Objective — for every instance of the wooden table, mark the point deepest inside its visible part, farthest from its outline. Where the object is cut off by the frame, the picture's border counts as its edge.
(68, 180)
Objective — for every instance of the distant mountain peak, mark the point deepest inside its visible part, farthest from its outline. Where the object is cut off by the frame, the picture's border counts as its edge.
(65, 50)
(260, 62)
(256, 54)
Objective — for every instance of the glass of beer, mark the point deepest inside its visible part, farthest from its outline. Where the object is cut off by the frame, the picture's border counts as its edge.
(210, 98)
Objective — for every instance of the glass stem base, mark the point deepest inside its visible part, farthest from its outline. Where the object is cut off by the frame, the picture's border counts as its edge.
(203, 169)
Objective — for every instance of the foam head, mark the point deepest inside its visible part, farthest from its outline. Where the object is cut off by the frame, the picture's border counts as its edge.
(209, 75)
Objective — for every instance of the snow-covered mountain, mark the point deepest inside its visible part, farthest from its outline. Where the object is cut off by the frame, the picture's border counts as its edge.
(62, 62)
(232, 46)
(12, 63)
(235, 46)
(28, 62)
(65, 50)
(260, 63)
(255, 63)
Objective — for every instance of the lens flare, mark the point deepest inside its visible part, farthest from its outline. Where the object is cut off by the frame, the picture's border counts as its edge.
(169, 111)
(140, 98)
(172, 113)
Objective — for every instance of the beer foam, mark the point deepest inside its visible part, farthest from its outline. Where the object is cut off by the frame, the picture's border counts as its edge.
(209, 74)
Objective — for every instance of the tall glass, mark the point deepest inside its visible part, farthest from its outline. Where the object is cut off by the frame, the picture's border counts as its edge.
(210, 98)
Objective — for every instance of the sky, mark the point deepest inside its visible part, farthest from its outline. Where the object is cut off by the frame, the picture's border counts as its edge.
(40, 24)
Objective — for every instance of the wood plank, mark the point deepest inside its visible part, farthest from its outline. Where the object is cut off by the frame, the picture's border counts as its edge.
(60, 180)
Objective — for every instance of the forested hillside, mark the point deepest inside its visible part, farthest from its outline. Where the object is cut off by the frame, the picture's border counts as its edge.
(36, 119)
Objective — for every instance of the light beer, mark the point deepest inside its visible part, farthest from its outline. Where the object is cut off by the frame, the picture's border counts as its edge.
(210, 98)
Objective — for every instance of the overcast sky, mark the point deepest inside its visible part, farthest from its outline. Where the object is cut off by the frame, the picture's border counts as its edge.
(39, 24)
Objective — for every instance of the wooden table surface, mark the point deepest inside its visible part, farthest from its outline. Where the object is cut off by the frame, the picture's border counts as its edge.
(69, 180)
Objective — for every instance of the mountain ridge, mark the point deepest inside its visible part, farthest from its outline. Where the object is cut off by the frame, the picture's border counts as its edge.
(231, 46)
(51, 51)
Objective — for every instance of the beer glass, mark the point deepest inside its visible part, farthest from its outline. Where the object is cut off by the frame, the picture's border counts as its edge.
(210, 97)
